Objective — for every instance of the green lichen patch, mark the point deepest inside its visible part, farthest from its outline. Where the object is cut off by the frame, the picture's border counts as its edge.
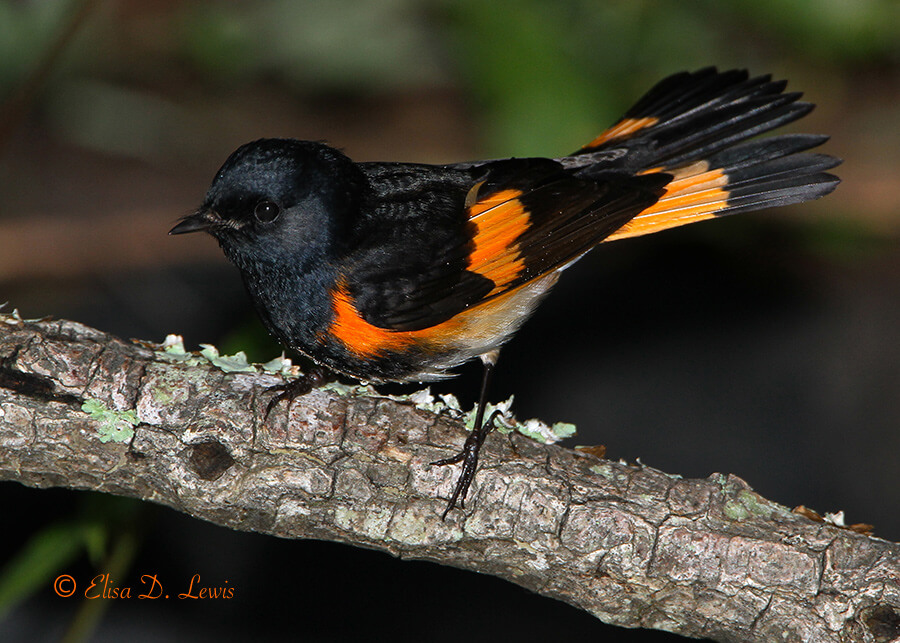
(352, 390)
(114, 426)
(236, 363)
(173, 350)
(604, 470)
(748, 503)
(533, 428)
(504, 420)
(537, 430)
(280, 364)
(735, 510)
(174, 345)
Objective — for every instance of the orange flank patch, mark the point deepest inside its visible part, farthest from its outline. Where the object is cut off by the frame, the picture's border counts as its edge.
(366, 340)
(359, 336)
(695, 193)
(500, 220)
(623, 129)
(474, 331)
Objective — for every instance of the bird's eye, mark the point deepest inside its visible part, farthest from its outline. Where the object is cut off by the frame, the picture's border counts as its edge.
(266, 211)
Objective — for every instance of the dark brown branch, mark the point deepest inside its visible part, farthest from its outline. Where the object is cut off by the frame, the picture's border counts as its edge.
(632, 545)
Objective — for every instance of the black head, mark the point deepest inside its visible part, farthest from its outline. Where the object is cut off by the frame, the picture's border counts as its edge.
(278, 198)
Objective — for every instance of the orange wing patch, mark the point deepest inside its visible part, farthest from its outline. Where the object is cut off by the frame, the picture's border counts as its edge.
(623, 129)
(694, 194)
(500, 219)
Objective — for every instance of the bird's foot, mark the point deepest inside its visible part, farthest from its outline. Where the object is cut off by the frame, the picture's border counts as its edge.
(469, 458)
(313, 378)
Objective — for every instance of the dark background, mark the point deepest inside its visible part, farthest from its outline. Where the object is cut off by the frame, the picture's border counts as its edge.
(767, 345)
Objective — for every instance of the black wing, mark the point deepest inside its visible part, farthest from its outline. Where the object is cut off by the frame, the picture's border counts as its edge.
(435, 241)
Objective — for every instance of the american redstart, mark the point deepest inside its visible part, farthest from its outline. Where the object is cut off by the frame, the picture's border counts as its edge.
(402, 271)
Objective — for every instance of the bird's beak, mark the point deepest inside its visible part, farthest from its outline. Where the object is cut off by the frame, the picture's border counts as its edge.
(200, 220)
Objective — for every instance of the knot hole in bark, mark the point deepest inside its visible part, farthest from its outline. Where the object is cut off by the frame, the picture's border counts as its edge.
(883, 622)
(209, 459)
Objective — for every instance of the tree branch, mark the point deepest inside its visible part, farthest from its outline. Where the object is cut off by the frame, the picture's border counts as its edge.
(632, 545)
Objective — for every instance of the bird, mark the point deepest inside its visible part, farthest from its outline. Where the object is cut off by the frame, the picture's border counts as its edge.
(400, 272)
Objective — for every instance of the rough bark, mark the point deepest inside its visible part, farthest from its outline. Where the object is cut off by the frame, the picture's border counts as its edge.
(632, 545)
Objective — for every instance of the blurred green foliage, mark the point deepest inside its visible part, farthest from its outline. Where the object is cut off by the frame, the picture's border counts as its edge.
(26, 31)
(551, 75)
(349, 45)
(543, 76)
(103, 528)
(534, 91)
(840, 31)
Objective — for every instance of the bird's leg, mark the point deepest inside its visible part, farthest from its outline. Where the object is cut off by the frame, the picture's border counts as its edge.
(469, 454)
(314, 377)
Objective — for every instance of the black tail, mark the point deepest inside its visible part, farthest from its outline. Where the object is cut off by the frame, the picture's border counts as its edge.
(695, 126)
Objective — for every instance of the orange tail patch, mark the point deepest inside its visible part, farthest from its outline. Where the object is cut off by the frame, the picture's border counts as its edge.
(695, 193)
(621, 130)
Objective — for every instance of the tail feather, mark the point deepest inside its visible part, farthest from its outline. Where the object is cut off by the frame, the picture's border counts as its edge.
(681, 143)
(690, 116)
(775, 191)
(748, 154)
(685, 92)
(759, 174)
(695, 127)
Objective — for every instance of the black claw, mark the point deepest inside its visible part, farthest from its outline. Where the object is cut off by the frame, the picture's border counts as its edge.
(469, 457)
(469, 454)
(316, 376)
